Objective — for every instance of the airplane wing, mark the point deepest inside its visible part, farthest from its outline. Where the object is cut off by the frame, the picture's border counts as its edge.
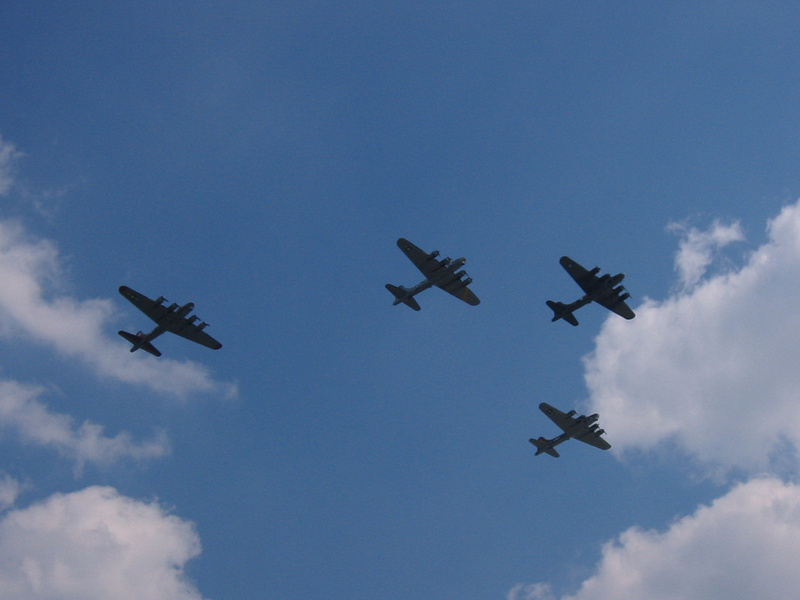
(194, 333)
(582, 277)
(561, 419)
(617, 305)
(154, 310)
(593, 439)
(422, 260)
(461, 291)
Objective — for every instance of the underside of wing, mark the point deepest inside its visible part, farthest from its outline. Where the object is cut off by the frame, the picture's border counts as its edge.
(461, 291)
(594, 440)
(561, 419)
(617, 305)
(584, 278)
(425, 262)
(154, 310)
(195, 334)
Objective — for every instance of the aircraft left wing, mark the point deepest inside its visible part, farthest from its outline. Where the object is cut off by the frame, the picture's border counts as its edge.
(153, 309)
(461, 291)
(615, 304)
(195, 333)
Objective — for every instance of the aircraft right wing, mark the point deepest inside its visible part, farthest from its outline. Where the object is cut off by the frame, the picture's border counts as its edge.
(582, 277)
(425, 262)
(154, 310)
(561, 419)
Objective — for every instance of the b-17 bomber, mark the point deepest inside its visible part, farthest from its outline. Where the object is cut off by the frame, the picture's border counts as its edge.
(173, 318)
(442, 273)
(596, 289)
(581, 428)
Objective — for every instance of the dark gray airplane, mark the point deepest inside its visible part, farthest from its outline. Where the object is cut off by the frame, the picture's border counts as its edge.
(171, 318)
(581, 428)
(596, 289)
(443, 273)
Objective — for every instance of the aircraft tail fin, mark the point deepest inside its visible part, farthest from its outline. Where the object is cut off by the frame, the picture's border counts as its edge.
(543, 445)
(400, 295)
(136, 339)
(562, 311)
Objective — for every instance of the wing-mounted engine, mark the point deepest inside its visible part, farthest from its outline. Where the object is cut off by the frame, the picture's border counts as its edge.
(571, 413)
(172, 307)
(160, 300)
(433, 254)
(202, 326)
(592, 418)
(594, 271)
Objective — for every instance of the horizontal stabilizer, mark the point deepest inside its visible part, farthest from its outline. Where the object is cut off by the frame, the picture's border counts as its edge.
(136, 341)
(401, 295)
(543, 445)
(562, 311)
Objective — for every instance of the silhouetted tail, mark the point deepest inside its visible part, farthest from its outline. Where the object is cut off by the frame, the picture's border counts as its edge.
(136, 339)
(401, 295)
(543, 445)
(562, 311)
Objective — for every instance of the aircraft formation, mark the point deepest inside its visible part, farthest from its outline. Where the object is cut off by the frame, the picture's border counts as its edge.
(446, 274)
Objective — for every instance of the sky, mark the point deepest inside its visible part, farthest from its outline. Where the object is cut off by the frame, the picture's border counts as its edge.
(261, 160)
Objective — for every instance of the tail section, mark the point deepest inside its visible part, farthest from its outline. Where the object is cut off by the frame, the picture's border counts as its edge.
(543, 445)
(136, 340)
(401, 295)
(562, 311)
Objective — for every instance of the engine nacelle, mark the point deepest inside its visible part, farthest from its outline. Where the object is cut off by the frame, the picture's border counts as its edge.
(593, 427)
(593, 418)
(467, 281)
(625, 296)
(460, 274)
(571, 413)
(433, 254)
(160, 300)
(202, 326)
(619, 290)
(191, 319)
(600, 431)
(594, 271)
(172, 307)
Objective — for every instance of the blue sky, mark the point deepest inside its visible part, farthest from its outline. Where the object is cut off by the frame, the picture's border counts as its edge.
(260, 160)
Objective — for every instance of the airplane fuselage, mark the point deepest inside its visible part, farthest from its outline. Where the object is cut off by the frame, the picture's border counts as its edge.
(441, 276)
(605, 286)
(175, 315)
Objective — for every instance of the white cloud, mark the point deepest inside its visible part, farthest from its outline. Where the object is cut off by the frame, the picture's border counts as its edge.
(745, 545)
(30, 270)
(714, 367)
(9, 490)
(96, 544)
(22, 413)
(8, 159)
(697, 248)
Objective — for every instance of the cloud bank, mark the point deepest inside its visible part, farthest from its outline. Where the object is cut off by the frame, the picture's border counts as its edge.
(743, 546)
(96, 544)
(712, 368)
(31, 306)
(22, 413)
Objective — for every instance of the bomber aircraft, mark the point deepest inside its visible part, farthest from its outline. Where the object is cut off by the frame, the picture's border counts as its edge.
(170, 318)
(598, 289)
(441, 273)
(581, 428)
